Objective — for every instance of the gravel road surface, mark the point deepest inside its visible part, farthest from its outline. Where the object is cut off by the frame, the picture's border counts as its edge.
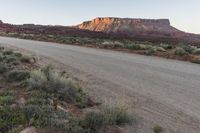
(159, 91)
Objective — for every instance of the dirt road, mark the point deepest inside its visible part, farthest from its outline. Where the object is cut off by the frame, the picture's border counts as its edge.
(159, 91)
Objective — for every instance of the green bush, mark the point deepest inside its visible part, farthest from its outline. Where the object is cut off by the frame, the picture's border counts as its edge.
(150, 52)
(188, 48)
(18, 75)
(7, 52)
(197, 51)
(74, 126)
(41, 113)
(3, 68)
(7, 100)
(15, 63)
(38, 101)
(158, 129)
(166, 46)
(10, 58)
(116, 116)
(45, 116)
(93, 122)
(111, 44)
(57, 120)
(53, 83)
(25, 59)
(17, 55)
(1, 57)
(180, 51)
(160, 49)
(38, 97)
(10, 118)
(9, 92)
(34, 115)
(132, 46)
(38, 80)
(1, 48)
(144, 47)
(197, 61)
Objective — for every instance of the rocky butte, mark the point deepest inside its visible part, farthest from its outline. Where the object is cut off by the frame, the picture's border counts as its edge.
(151, 29)
(127, 25)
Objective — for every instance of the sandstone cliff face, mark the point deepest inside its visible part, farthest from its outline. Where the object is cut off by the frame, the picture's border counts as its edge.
(128, 25)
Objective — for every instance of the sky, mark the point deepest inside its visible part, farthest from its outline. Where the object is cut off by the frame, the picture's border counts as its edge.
(183, 14)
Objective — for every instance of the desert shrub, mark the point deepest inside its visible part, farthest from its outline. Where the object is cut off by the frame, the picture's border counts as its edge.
(158, 129)
(7, 52)
(112, 44)
(74, 126)
(61, 87)
(38, 80)
(144, 47)
(180, 51)
(57, 120)
(37, 101)
(150, 51)
(15, 63)
(116, 116)
(18, 75)
(166, 46)
(1, 48)
(195, 60)
(17, 54)
(3, 68)
(73, 94)
(106, 44)
(93, 122)
(10, 118)
(160, 49)
(197, 51)
(1, 57)
(84, 40)
(118, 44)
(34, 115)
(9, 92)
(10, 58)
(45, 116)
(7, 98)
(25, 59)
(38, 97)
(132, 46)
(139, 46)
(40, 113)
(188, 48)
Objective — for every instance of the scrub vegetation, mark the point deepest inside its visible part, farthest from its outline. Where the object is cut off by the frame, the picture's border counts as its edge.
(48, 100)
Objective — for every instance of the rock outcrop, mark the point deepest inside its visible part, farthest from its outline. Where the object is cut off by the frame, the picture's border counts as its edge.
(127, 25)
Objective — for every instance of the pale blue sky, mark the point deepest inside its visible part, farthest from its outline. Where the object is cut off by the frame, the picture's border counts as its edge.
(183, 14)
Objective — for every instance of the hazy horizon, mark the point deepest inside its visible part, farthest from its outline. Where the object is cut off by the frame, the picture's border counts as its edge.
(182, 14)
